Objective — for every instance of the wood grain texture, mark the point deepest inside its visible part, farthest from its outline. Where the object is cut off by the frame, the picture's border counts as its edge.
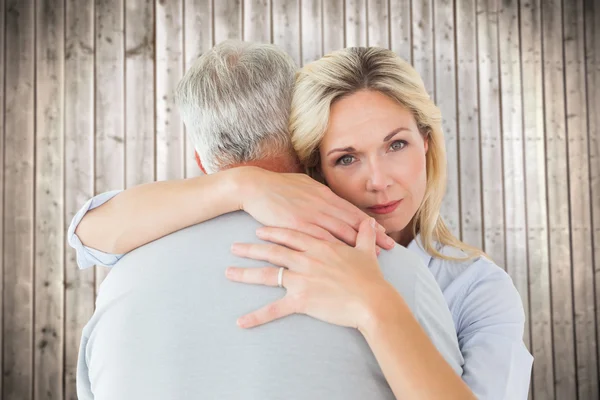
(170, 143)
(79, 172)
(139, 92)
(355, 20)
(378, 23)
(469, 143)
(579, 198)
(423, 58)
(591, 12)
(227, 20)
(401, 29)
(2, 135)
(19, 198)
(198, 38)
(536, 195)
(312, 33)
(334, 37)
(257, 21)
(110, 112)
(445, 93)
(512, 145)
(48, 317)
(558, 200)
(490, 128)
(286, 27)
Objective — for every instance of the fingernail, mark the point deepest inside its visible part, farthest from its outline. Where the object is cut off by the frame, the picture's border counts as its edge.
(381, 228)
(378, 250)
(235, 247)
(390, 241)
(372, 222)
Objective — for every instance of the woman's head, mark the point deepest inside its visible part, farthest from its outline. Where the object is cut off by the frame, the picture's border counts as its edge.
(363, 123)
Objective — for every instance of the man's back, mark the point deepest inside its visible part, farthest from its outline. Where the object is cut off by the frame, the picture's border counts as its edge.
(164, 327)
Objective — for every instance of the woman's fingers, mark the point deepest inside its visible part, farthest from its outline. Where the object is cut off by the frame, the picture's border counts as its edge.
(278, 309)
(317, 232)
(290, 238)
(366, 235)
(268, 276)
(271, 253)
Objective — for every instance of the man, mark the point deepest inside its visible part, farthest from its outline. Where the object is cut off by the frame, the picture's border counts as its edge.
(164, 325)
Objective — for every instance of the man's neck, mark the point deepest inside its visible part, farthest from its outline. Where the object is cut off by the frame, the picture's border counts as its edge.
(282, 164)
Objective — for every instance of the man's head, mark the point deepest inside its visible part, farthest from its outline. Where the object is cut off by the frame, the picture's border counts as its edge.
(235, 102)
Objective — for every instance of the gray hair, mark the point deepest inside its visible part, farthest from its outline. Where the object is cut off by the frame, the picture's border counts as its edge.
(235, 102)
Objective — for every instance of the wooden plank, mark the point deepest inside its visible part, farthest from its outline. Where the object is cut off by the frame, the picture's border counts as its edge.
(558, 200)
(227, 20)
(109, 145)
(512, 140)
(79, 171)
(468, 124)
(170, 144)
(401, 29)
(422, 42)
(312, 30)
(579, 199)
(2, 135)
(356, 23)
(445, 93)
(286, 27)
(139, 92)
(257, 21)
(592, 62)
(333, 25)
(19, 200)
(198, 38)
(536, 193)
(491, 145)
(49, 201)
(378, 23)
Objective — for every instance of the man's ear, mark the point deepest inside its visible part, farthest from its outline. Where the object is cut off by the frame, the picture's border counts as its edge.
(199, 162)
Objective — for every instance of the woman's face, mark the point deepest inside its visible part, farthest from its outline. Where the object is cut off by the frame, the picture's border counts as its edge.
(373, 155)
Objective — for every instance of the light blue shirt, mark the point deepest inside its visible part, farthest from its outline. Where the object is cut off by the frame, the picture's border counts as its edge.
(485, 306)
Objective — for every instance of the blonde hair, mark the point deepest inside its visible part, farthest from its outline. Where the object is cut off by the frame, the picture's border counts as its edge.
(344, 72)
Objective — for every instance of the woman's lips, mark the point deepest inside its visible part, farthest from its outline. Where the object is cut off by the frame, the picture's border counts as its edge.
(385, 208)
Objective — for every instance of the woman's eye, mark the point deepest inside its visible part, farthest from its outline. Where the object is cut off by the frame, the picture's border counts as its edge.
(398, 145)
(345, 160)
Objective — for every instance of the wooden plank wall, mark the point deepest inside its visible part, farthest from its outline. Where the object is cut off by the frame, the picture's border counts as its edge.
(87, 106)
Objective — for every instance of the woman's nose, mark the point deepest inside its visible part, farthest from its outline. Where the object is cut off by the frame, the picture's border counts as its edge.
(378, 178)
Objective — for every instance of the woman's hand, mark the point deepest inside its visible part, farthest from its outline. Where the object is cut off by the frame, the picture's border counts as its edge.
(296, 201)
(332, 282)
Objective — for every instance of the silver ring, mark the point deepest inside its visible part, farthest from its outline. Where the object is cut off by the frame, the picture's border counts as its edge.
(280, 277)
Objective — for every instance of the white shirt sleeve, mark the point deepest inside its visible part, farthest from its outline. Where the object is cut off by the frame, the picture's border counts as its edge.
(490, 333)
(86, 256)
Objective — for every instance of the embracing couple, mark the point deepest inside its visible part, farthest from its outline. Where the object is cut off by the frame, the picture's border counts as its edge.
(310, 262)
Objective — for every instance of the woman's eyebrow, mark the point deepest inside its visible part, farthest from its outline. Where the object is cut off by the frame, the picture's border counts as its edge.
(351, 149)
(392, 133)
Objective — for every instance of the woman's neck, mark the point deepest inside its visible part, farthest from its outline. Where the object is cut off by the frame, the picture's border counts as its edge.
(403, 237)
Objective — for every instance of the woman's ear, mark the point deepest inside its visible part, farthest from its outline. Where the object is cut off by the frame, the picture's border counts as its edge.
(426, 143)
(199, 162)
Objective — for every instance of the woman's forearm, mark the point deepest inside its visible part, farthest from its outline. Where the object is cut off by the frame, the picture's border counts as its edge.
(148, 212)
(410, 362)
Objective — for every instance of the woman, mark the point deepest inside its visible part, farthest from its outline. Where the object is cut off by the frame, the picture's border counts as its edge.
(363, 124)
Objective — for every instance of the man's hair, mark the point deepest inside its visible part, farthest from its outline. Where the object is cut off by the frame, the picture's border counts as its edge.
(235, 102)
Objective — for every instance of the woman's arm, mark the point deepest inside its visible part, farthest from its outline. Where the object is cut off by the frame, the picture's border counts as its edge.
(148, 212)
(344, 285)
(410, 362)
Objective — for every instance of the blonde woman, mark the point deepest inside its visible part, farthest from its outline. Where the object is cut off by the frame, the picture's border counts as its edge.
(362, 124)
